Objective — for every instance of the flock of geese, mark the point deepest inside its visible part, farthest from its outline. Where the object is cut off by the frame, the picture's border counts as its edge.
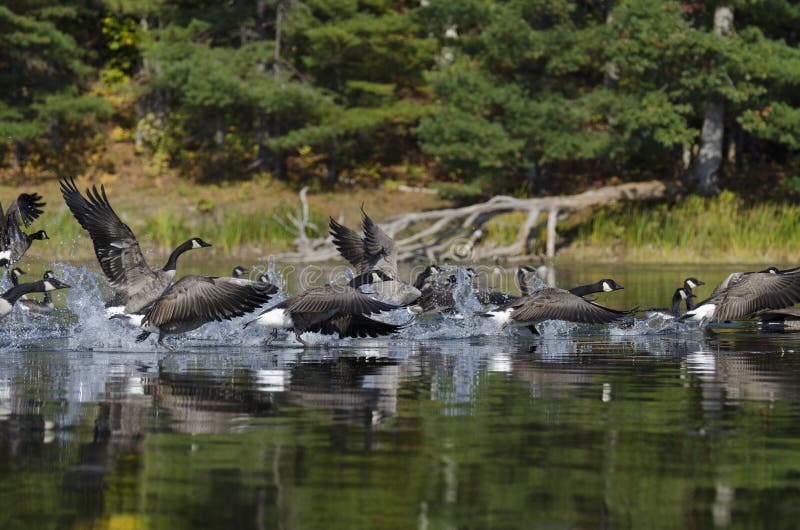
(153, 301)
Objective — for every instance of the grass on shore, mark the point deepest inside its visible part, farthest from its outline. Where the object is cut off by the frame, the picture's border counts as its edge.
(693, 230)
(239, 219)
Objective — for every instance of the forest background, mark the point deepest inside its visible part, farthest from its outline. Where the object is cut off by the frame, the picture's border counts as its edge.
(211, 115)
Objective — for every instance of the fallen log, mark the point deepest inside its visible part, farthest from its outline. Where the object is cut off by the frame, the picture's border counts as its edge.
(455, 233)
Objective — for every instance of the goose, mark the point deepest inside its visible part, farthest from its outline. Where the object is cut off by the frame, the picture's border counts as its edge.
(13, 241)
(606, 285)
(331, 309)
(552, 303)
(8, 298)
(195, 300)
(133, 282)
(438, 288)
(741, 294)
(374, 251)
(44, 306)
(238, 271)
(681, 295)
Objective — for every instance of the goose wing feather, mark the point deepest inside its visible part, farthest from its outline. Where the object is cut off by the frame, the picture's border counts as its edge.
(780, 314)
(379, 246)
(730, 279)
(14, 239)
(206, 298)
(755, 291)
(350, 245)
(351, 325)
(26, 208)
(340, 299)
(557, 304)
(115, 245)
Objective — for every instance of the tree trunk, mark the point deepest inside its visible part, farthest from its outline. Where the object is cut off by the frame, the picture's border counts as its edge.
(219, 132)
(17, 162)
(269, 126)
(705, 171)
(151, 109)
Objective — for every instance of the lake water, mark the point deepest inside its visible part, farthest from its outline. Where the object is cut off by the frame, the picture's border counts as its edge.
(446, 426)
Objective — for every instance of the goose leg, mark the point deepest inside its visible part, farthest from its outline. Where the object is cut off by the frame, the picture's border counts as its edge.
(166, 346)
(301, 341)
(271, 337)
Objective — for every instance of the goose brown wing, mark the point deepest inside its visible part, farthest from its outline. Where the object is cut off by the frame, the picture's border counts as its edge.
(349, 325)
(115, 246)
(754, 292)
(378, 245)
(780, 314)
(350, 245)
(26, 208)
(557, 304)
(14, 239)
(340, 299)
(730, 280)
(206, 298)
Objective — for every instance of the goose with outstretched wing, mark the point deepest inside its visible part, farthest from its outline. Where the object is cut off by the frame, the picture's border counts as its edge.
(134, 283)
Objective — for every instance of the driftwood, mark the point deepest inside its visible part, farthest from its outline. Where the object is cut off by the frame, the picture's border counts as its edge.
(455, 233)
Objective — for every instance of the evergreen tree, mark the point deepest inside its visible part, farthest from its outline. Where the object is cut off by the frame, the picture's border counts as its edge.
(44, 77)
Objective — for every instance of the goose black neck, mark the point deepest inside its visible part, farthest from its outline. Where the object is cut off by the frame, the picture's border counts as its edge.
(689, 302)
(424, 275)
(172, 262)
(676, 303)
(583, 290)
(14, 294)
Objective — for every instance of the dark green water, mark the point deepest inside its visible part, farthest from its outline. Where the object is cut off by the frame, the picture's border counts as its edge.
(596, 429)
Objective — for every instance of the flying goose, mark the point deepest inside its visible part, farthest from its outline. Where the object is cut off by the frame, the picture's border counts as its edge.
(238, 271)
(134, 284)
(331, 309)
(374, 251)
(552, 303)
(13, 241)
(196, 300)
(741, 294)
(8, 298)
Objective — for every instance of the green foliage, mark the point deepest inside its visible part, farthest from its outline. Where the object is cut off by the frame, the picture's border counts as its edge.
(543, 95)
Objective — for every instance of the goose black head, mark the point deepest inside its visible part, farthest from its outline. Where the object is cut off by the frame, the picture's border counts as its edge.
(41, 234)
(49, 275)
(609, 285)
(51, 284)
(691, 283)
(199, 243)
(238, 271)
(17, 272)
